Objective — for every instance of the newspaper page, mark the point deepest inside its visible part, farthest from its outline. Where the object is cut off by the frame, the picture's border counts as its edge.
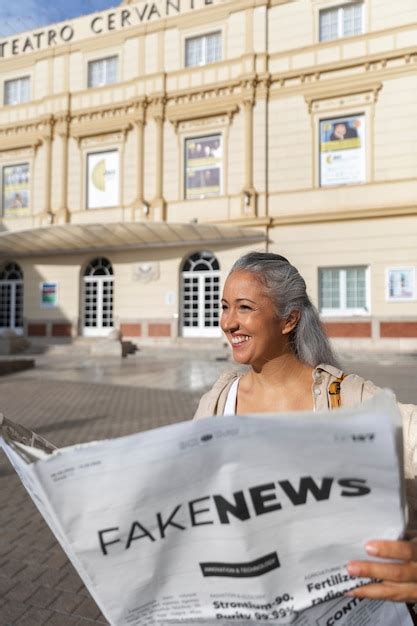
(247, 519)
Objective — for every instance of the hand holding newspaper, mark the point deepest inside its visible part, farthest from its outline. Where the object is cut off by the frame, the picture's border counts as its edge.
(245, 519)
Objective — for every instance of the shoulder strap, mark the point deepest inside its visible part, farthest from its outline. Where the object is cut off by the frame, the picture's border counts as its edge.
(334, 392)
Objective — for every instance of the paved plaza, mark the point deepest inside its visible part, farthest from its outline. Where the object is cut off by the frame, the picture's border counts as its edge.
(72, 398)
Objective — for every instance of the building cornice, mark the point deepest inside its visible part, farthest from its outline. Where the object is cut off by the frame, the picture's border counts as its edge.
(245, 222)
(346, 215)
(95, 122)
(28, 134)
(384, 64)
(313, 83)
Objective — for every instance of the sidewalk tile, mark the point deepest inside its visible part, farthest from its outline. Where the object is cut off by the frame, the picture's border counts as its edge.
(88, 608)
(11, 611)
(34, 616)
(44, 597)
(66, 602)
(59, 619)
(23, 591)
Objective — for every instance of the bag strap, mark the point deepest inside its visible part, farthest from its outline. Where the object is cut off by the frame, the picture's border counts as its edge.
(334, 392)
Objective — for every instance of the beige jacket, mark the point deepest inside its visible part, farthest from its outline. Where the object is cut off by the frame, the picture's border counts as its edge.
(353, 391)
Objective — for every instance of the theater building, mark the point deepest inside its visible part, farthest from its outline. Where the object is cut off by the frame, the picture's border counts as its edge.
(144, 148)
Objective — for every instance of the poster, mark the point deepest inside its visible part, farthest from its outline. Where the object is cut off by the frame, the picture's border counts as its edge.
(203, 164)
(342, 151)
(401, 283)
(102, 179)
(49, 295)
(16, 193)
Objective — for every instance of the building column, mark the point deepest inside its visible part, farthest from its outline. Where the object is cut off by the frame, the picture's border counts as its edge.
(248, 192)
(47, 217)
(62, 128)
(158, 204)
(140, 207)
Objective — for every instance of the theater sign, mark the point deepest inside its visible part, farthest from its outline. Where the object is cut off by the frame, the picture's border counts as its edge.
(97, 24)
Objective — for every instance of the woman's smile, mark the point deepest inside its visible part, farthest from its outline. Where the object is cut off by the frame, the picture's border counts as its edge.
(239, 340)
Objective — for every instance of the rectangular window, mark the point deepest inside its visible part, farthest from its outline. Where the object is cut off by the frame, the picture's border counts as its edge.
(203, 49)
(342, 21)
(102, 72)
(203, 166)
(344, 290)
(16, 190)
(342, 150)
(17, 90)
(102, 179)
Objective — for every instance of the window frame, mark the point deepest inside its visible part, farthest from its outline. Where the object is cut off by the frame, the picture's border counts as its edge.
(196, 137)
(203, 36)
(102, 60)
(340, 20)
(18, 79)
(343, 310)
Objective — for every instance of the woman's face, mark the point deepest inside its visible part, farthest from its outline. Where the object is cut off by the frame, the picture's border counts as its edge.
(250, 322)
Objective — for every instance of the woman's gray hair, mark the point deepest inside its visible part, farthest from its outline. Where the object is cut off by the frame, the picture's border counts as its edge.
(287, 289)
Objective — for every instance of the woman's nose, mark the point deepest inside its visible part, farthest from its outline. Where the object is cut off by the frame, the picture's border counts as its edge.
(228, 321)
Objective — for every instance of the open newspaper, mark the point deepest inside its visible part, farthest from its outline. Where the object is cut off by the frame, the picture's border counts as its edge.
(247, 520)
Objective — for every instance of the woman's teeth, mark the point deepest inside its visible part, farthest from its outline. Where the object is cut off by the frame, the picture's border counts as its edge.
(240, 339)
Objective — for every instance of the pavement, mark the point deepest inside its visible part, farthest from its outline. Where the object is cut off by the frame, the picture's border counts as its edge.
(71, 398)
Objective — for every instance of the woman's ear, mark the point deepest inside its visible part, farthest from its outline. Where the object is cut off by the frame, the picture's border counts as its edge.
(291, 322)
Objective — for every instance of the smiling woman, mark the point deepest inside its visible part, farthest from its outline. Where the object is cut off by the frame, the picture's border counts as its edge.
(273, 327)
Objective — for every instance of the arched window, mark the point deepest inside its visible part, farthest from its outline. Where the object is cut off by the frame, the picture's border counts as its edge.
(201, 262)
(11, 271)
(11, 297)
(200, 292)
(99, 267)
(98, 298)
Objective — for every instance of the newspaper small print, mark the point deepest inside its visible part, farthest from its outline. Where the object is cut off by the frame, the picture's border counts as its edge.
(243, 520)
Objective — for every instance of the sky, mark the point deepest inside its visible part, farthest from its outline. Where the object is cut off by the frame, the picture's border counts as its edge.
(20, 15)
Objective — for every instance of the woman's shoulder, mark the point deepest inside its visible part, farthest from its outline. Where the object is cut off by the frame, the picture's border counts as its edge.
(354, 389)
(212, 402)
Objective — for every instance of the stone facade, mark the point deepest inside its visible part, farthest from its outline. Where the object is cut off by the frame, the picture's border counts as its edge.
(262, 103)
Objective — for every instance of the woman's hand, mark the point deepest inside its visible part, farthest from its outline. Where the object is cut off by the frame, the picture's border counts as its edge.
(396, 581)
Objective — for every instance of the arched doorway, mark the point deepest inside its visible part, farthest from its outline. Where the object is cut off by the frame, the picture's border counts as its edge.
(200, 293)
(98, 298)
(11, 298)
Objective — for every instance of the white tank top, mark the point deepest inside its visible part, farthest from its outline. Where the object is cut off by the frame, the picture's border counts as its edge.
(231, 400)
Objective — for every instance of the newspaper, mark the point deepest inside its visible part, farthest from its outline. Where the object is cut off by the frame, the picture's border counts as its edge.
(248, 519)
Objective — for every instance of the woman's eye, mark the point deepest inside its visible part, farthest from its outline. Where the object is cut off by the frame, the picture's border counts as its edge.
(223, 307)
(245, 307)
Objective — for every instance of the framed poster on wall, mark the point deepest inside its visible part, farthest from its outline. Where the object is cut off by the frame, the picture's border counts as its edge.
(401, 283)
(203, 166)
(49, 295)
(102, 179)
(342, 150)
(16, 190)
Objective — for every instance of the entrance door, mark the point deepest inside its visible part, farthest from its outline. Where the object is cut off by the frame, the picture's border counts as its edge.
(98, 298)
(11, 299)
(200, 288)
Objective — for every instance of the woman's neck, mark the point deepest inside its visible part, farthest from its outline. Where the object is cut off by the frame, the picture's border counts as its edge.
(279, 386)
(283, 371)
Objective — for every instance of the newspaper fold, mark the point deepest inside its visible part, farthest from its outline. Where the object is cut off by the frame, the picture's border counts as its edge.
(246, 519)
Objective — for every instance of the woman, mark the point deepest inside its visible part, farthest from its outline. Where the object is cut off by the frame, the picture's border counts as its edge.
(273, 327)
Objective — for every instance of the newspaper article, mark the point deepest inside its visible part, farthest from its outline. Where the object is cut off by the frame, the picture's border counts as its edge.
(247, 519)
